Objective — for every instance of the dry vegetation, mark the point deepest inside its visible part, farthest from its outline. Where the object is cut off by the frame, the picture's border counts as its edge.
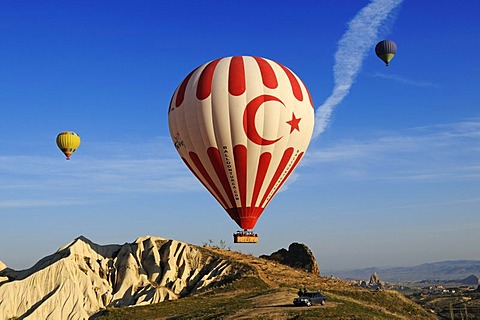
(266, 291)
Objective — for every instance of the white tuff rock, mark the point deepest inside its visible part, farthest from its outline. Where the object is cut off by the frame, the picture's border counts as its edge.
(82, 278)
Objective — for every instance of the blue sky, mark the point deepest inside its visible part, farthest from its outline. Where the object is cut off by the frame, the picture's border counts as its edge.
(393, 180)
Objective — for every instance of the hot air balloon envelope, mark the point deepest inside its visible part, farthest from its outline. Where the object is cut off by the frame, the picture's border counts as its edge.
(68, 142)
(386, 50)
(241, 125)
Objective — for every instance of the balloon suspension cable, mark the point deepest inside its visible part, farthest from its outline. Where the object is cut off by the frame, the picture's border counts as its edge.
(246, 232)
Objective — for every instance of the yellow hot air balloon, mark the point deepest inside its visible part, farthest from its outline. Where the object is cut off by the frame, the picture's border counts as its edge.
(68, 142)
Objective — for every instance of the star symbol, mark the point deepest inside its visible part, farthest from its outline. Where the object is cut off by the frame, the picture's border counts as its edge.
(294, 123)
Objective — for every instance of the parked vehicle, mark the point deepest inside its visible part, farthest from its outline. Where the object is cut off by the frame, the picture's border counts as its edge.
(310, 298)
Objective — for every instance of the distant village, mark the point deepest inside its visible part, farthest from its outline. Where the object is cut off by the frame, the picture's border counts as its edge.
(470, 283)
(444, 298)
(438, 287)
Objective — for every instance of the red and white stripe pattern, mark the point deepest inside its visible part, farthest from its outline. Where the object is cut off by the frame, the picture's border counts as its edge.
(241, 124)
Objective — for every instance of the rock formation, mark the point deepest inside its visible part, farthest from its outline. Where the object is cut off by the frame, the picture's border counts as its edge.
(297, 256)
(2, 267)
(374, 283)
(374, 280)
(471, 280)
(83, 278)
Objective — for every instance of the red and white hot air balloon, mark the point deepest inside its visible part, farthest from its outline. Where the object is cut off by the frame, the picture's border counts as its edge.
(241, 124)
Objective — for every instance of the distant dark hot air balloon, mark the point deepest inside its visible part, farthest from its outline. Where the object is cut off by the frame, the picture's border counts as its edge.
(386, 50)
(241, 125)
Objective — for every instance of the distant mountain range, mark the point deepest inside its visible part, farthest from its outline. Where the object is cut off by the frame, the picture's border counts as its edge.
(444, 270)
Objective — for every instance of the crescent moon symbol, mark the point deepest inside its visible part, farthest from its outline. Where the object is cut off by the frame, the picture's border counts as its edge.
(249, 119)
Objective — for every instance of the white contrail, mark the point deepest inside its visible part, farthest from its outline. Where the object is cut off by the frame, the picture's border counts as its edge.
(358, 40)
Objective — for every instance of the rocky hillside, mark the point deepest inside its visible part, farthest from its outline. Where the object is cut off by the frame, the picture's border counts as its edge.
(297, 256)
(83, 277)
(84, 280)
(267, 292)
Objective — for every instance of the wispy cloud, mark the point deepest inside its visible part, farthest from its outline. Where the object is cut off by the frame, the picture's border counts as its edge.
(436, 204)
(49, 181)
(447, 152)
(358, 40)
(25, 203)
(411, 82)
